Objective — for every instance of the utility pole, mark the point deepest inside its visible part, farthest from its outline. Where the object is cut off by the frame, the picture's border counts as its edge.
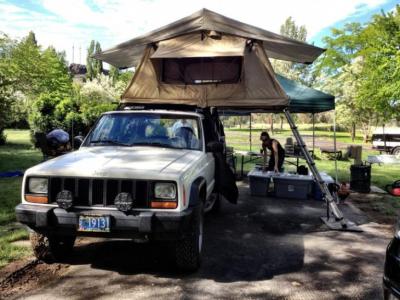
(73, 53)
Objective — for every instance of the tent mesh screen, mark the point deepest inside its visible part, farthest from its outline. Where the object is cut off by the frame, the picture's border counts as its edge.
(201, 70)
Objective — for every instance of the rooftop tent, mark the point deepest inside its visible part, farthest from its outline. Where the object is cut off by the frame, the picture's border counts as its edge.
(207, 60)
(239, 76)
(129, 53)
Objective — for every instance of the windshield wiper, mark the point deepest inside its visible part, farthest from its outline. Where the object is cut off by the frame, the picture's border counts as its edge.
(112, 142)
(156, 144)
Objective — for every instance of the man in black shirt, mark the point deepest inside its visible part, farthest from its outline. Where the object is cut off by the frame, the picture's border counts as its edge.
(277, 153)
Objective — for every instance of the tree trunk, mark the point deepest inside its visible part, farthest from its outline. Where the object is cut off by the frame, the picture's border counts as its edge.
(272, 124)
(281, 122)
(353, 131)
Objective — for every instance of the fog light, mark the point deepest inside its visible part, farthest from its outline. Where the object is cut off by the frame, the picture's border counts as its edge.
(124, 202)
(64, 199)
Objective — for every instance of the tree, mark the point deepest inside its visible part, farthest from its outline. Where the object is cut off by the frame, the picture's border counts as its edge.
(89, 61)
(114, 73)
(97, 64)
(94, 66)
(294, 71)
(380, 78)
(338, 72)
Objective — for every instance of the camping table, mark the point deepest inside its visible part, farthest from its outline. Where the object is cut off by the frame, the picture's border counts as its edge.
(253, 156)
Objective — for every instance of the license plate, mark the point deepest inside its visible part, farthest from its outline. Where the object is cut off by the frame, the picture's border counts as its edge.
(94, 223)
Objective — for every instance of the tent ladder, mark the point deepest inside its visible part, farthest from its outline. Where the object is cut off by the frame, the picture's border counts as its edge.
(338, 222)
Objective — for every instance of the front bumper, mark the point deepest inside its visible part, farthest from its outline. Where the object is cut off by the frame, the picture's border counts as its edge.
(391, 278)
(154, 225)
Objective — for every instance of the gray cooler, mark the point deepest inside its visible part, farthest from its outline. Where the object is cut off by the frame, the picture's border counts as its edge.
(293, 186)
(259, 182)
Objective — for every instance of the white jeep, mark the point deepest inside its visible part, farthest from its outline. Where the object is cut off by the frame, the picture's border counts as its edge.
(146, 174)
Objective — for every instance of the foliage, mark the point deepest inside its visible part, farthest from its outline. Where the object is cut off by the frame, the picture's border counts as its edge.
(294, 71)
(94, 66)
(380, 79)
(361, 67)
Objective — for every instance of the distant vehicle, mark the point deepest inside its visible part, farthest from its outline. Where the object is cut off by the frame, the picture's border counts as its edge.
(387, 139)
(391, 276)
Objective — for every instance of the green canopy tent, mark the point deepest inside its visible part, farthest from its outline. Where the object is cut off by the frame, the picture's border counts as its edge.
(303, 99)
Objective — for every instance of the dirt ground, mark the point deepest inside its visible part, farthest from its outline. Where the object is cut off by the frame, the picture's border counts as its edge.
(258, 249)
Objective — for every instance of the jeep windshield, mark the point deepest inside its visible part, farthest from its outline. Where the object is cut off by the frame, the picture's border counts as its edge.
(147, 129)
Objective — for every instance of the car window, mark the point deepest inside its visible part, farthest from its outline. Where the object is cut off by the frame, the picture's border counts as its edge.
(151, 129)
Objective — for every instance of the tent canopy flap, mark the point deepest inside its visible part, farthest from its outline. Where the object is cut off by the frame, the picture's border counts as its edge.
(128, 54)
(303, 99)
(200, 45)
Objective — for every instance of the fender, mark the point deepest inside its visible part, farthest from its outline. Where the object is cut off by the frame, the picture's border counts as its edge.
(195, 189)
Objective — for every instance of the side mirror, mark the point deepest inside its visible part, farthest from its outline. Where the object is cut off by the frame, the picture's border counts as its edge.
(215, 147)
(77, 142)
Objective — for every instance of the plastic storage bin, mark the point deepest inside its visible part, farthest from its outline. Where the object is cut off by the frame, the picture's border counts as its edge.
(293, 186)
(259, 182)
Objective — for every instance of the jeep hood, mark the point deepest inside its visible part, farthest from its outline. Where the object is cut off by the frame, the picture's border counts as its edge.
(119, 162)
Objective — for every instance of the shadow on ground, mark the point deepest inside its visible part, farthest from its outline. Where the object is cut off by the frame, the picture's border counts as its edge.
(260, 249)
(251, 241)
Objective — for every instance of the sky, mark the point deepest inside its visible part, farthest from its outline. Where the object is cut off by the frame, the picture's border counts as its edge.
(68, 24)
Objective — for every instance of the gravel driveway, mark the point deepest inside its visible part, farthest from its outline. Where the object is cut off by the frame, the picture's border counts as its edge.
(258, 249)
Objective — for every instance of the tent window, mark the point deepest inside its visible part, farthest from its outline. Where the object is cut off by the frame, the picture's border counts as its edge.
(201, 70)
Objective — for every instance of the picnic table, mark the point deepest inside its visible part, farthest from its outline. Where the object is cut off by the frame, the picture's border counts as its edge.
(254, 156)
(332, 153)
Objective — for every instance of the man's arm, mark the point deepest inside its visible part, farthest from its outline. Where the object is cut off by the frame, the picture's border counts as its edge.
(276, 155)
(264, 158)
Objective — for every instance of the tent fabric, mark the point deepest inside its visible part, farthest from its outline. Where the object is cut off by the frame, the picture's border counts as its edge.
(304, 99)
(198, 45)
(257, 87)
(128, 54)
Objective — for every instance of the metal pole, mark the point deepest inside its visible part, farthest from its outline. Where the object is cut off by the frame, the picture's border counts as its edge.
(250, 132)
(334, 144)
(313, 134)
(311, 164)
(384, 138)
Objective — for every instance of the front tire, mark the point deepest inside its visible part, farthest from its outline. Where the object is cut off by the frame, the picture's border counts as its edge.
(51, 248)
(188, 250)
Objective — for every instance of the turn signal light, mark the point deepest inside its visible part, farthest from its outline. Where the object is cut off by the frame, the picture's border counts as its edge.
(37, 199)
(164, 204)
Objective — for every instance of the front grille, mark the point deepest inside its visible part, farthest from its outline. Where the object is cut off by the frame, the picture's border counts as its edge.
(100, 192)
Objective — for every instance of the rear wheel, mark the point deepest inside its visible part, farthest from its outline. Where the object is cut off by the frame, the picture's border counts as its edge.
(396, 151)
(51, 248)
(188, 250)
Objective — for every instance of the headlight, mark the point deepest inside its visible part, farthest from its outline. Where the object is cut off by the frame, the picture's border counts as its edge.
(163, 190)
(38, 185)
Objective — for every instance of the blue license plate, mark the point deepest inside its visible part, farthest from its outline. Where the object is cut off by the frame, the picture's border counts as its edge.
(94, 223)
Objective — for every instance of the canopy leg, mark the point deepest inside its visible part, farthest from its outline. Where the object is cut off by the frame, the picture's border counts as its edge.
(338, 222)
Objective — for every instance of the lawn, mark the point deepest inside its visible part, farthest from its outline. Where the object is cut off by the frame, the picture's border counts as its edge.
(381, 175)
(17, 154)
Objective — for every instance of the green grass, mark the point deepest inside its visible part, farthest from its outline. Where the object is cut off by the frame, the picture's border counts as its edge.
(17, 154)
(381, 175)
(239, 138)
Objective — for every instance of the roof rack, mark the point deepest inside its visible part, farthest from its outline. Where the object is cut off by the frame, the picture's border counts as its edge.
(141, 106)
